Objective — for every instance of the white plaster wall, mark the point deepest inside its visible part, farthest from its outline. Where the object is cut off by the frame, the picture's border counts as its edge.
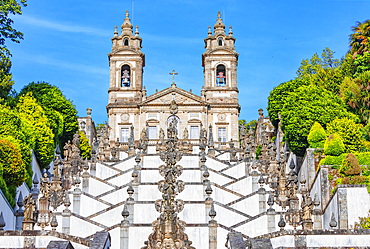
(190, 176)
(193, 213)
(122, 155)
(90, 206)
(137, 236)
(223, 196)
(97, 187)
(225, 156)
(283, 241)
(236, 171)
(243, 186)
(11, 241)
(337, 240)
(249, 206)
(110, 217)
(125, 165)
(358, 204)
(145, 213)
(82, 228)
(103, 171)
(221, 238)
(316, 187)
(116, 196)
(150, 176)
(191, 193)
(8, 214)
(122, 179)
(255, 227)
(331, 208)
(218, 178)
(213, 164)
(152, 162)
(190, 161)
(149, 193)
(227, 217)
(197, 236)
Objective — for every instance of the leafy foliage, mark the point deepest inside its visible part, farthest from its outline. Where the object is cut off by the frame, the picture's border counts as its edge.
(334, 145)
(6, 81)
(278, 96)
(317, 136)
(349, 131)
(258, 151)
(10, 7)
(364, 222)
(304, 107)
(36, 123)
(12, 170)
(60, 111)
(85, 148)
(251, 123)
(360, 38)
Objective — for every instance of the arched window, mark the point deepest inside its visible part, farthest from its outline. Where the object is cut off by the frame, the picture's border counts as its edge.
(125, 76)
(221, 75)
(125, 42)
(177, 121)
(220, 41)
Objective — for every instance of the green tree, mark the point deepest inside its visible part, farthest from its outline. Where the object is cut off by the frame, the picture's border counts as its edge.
(36, 123)
(305, 106)
(317, 136)
(251, 123)
(278, 96)
(60, 111)
(85, 148)
(6, 81)
(349, 131)
(13, 129)
(359, 39)
(12, 169)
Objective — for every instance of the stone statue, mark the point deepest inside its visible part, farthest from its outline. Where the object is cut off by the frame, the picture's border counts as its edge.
(161, 135)
(45, 185)
(67, 150)
(186, 133)
(173, 107)
(29, 207)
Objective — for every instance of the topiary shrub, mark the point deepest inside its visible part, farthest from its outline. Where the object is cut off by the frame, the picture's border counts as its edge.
(349, 131)
(85, 148)
(258, 151)
(316, 137)
(334, 145)
(350, 171)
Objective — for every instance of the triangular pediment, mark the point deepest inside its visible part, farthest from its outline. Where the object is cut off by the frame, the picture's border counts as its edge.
(165, 96)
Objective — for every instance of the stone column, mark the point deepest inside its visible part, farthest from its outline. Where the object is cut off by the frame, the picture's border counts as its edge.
(66, 216)
(85, 182)
(262, 200)
(212, 225)
(310, 157)
(77, 200)
(19, 215)
(255, 177)
(124, 232)
(325, 193)
(317, 214)
(342, 208)
(130, 203)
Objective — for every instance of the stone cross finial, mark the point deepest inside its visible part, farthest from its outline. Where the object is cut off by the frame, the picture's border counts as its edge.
(173, 77)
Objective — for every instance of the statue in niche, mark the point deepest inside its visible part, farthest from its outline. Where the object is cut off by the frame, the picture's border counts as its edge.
(186, 133)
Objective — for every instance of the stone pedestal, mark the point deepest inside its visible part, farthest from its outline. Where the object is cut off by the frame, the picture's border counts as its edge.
(317, 217)
(342, 208)
(325, 192)
(19, 215)
(28, 224)
(208, 204)
(66, 221)
(77, 200)
(262, 200)
(211, 152)
(212, 225)
(255, 178)
(130, 208)
(271, 220)
(135, 186)
(124, 234)
(85, 182)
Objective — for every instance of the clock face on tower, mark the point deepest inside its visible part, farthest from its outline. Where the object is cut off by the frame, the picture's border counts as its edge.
(222, 117)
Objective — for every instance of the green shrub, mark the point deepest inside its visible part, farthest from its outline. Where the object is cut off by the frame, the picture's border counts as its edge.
(85, 148)
(333, 160)
(258, 151)
(334, 145)
(349, 131)
(316, 137)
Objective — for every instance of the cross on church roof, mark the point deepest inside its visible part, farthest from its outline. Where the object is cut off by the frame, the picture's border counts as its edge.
(173, 74)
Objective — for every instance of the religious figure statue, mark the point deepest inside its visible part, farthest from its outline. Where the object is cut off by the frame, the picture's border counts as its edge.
(173, 107)
(143, 133)
(29, 208)
(186, 133)
(45, 185)
(161, 135)
(67, 150)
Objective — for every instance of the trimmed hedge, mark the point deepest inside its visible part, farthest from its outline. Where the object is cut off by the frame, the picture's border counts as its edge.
(362, 157)
(334, 145)
(317, 136)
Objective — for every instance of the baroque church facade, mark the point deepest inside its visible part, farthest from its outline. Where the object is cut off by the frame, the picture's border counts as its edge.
(217, 105)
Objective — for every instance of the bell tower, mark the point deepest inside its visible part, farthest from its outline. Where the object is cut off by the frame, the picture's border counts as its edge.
(126, 92)
(220, 61)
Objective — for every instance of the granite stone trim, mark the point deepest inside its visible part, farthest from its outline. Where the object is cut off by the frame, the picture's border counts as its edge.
(119, 174)
(230, 166)
(55, 234)
(97, 199)
(248, 220)
(88, 220)
(242, 198)
(105, 210)
(231, 230)
(232, 209)
(109, 166)
(222, 174)
(232, 182)
(103, 181)
(226, 189)
(112, 190)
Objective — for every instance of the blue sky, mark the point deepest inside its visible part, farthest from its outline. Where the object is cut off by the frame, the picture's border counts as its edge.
(66, 43)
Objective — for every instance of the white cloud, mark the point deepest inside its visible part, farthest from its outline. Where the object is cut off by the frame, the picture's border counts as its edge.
(63, 27)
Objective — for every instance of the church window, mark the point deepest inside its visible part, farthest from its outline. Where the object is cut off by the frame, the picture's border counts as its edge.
(194, 132)
(222, 134)
(125, 42)
(170, 120)
(152, 132)
(221, 75)
(124, 135)
(125, 76)
(220, 42)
